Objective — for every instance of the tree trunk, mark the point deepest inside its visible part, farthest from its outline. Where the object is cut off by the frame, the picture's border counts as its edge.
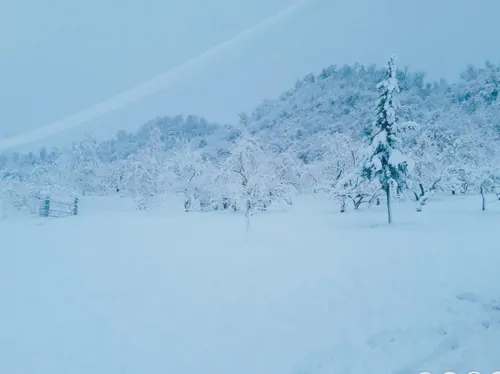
(247, 215)
(388, 196)
(483, 197)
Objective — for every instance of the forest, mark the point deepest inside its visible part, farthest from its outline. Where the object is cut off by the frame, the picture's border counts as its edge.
(321, 136)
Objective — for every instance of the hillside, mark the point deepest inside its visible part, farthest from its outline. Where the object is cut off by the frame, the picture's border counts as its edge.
(305, 139)
(341, 99)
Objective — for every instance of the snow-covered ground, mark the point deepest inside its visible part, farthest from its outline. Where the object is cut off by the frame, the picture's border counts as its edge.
(307, 290)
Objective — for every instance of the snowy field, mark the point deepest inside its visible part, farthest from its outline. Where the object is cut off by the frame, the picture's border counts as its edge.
(306, 291)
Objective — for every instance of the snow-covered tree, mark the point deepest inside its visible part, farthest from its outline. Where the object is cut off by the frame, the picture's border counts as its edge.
(488, 178)
(385, 161)
(145, 172)
(285, 176)
(356, 189)
(248, 174)
(347, 183)
(46, 178)
(19, 193)
(87, 166)
(115, 177)
(194, 172)
(335, 156)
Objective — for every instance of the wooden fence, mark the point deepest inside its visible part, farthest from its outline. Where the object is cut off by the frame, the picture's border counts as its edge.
(50, 207)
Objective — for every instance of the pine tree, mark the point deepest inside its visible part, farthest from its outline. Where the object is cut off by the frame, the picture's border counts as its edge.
(385, 162)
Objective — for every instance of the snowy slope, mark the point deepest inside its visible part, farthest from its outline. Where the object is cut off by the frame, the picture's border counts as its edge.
(305, 291)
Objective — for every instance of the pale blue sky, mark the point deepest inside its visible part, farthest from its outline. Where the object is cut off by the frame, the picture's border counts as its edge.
(58, 57)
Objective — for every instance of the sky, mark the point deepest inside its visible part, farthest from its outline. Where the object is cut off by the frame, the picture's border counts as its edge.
(59, 57)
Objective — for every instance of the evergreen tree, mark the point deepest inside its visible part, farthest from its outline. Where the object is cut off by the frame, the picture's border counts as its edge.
(385, 162)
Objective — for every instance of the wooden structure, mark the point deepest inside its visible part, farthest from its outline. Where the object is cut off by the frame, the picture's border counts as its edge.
(50, 207)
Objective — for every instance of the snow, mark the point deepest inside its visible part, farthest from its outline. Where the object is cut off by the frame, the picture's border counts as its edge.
(396, 158)
(376, 163)
(306, 290)
(380, 139)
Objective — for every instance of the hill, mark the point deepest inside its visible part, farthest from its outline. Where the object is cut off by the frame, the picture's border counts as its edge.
(313, 133)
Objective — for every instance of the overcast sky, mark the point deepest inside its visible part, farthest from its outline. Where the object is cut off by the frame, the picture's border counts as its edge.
(58, 57)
